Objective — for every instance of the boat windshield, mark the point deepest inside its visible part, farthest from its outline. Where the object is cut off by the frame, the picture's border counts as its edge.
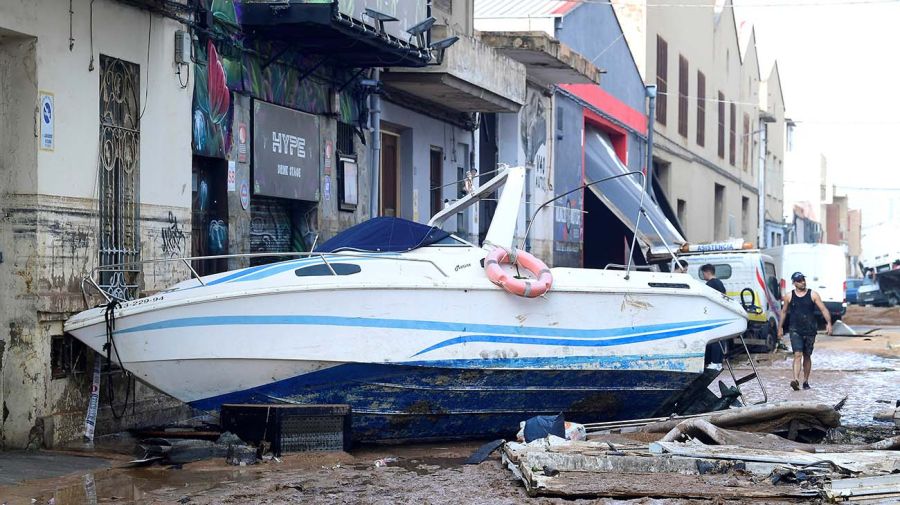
(385, 234)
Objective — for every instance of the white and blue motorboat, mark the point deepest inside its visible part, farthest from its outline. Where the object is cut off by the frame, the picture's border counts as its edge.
(399, 320)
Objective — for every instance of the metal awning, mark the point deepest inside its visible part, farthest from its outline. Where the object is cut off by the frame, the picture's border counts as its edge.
(321, 28)
(622, 196)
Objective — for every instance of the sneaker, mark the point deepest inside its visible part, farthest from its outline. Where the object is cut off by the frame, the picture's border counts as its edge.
(805, 385)
(795, 385)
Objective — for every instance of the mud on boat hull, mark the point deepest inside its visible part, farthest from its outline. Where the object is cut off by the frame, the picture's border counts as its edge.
(398, 403)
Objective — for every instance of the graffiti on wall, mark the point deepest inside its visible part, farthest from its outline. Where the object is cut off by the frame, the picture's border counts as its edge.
(568, 217)
(533, 130)
(568, 223)
(270, 227)
(173, 238)
(212, 105)
(233, 63)
(217, 237)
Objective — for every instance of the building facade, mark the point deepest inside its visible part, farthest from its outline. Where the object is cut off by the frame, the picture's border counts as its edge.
(712, 109)
(137, 133)
(96, 135)
(575, 133)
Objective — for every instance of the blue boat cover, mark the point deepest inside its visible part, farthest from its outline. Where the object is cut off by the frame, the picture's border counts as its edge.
(384, 234)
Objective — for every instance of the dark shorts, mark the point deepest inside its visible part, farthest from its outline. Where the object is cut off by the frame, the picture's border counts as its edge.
(802, 343)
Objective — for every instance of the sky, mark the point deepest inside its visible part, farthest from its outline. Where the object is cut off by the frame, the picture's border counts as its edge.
(840, 71)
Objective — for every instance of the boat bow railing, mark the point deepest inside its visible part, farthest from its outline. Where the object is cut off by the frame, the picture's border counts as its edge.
(90, 286)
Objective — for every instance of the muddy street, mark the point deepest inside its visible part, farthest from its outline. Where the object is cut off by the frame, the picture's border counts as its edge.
(865, 369)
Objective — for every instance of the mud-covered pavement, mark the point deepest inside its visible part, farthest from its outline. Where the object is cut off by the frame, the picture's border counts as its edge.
(865, 369)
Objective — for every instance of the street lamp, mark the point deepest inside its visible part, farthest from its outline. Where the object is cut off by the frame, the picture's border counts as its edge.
(764, 119)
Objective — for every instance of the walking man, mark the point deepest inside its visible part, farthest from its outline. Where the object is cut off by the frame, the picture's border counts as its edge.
(800, 304)
(709, 275)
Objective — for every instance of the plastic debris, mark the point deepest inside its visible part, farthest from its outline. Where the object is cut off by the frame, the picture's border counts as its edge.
(484, 451)
(384, 461)
(241, 455)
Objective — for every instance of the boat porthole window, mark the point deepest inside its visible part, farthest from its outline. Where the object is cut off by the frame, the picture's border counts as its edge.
(321, 269)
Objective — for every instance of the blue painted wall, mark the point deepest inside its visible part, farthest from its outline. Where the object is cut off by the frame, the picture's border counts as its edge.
(591, 29)
(567, 129)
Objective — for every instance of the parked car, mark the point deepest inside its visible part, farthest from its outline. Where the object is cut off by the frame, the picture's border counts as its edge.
(870, 294)
(825, 268)
(852, 288)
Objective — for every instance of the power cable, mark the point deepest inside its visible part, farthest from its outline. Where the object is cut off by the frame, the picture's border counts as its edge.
(147, 87)
(769, 4)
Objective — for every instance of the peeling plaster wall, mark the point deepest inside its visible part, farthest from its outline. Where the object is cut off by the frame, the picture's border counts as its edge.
(48, 199)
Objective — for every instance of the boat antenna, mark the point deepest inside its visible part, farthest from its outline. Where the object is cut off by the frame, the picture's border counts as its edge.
(567, 193)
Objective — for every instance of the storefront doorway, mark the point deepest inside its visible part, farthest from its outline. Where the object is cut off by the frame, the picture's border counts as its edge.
(209, 214)
(390, 174)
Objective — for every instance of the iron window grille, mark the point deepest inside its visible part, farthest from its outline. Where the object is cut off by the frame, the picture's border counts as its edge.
(119, 199)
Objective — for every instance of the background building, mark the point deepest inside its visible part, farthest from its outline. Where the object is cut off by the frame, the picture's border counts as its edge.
(713, 103)
(142, 130)
(574, 131)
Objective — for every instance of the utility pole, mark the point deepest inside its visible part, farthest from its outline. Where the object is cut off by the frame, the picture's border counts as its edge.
(764, 119)
(651, 117)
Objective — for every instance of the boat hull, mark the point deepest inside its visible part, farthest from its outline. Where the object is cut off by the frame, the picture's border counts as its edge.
(400, 402)
(423, 362)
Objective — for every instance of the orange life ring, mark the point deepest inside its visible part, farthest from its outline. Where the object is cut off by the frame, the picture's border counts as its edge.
(529, 288)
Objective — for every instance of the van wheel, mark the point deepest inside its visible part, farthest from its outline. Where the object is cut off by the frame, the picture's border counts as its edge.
(892, 301)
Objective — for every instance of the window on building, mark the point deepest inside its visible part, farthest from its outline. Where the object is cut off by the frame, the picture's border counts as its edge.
(701, 109)
(120, 148)
(681, 212)
(67, 356)
(745, 216)
(732, 134)
(719, 212)
(721, 122)
(745, 143)
(437, 180)
(345, 134)
(347, 168)
(662, 75)
(683, 96)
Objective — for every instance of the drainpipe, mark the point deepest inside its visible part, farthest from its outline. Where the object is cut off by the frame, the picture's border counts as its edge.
(651, 117)
(529, 174)
(761, 205)
(375, 111)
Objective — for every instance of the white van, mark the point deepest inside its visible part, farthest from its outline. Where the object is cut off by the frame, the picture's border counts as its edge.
(739, 270)
(825, 268)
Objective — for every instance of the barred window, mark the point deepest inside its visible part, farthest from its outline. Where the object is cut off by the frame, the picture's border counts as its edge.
(120, 150)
